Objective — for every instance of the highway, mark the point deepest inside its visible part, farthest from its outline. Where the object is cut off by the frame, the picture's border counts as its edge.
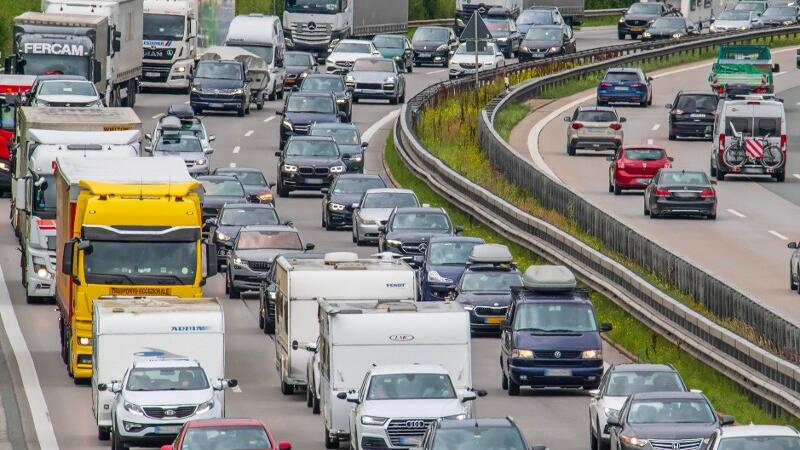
(554, 418)
(746, 245)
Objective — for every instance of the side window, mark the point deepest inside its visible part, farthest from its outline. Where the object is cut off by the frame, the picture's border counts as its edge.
(768, 126)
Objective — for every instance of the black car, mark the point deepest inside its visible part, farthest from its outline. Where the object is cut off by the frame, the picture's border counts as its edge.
(776, 16)
(408, 230)
(304, 108)
(219, 190)
(308, 163)
(224, 228)
(299, 65)
(640, 16)
(484, 433)
(504, 32)
(334, 84)
(544, 41)
(266, 292)
(346, 189)
(670, 28)
(538, 15)
(664, 420)
(220, 85)
(441, 266)
(680, 192)
(692, 114)
(255, 184)
(433, 45)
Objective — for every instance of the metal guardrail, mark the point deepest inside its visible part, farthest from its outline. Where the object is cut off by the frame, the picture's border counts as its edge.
(770, 380)
(451, 20)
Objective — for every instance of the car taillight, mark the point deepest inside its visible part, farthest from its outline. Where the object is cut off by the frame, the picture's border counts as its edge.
(637, 85)
(615, 126)
(605, 84)
(661, 193)
(721, 143)
(668, 165)
(620, 164)
(708, 193)
(719, 89)
(577, 125)
(784, 138)
(760, 90)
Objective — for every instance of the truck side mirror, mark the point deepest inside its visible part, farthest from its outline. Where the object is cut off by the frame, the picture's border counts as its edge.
(66, 259)
(102, 387)
(8, 64)
(116, 42)
(211, 259)
(96, 69)
(22, 194)
(468, 397)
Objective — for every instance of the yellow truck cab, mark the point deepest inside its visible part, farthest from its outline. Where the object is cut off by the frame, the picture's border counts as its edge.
(125, 227)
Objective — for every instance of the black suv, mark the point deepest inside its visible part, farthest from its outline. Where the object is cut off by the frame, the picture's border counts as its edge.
(408, 230)
(304, 108)
(334, 84)
(308, 163)
(433, 45)
(640, 16)
(222, 85)
(223, 229)
(486, 432)
(692, 114)
(346, 189)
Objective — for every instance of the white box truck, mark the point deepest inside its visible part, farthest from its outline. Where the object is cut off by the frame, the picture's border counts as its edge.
(356, 336)
(339, 277)
(127, 328)
(170, 43)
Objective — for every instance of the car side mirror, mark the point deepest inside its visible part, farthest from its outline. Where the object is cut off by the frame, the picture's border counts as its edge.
(610, 158)
(668, 106)
(148, 136)
(355, 206)
(209, 151)
(148, 149)
(311, 348)
(792, 245)
(567, 119)
(284, 445)
(310, 246)
(606, 327)
(212, 138)
(613, 420)
(670, 159)
(622, 120)
(364, 145)
(649, 78)
(776, 67)
(352, 397)
(539, 447)
(713, 181)
(271, 184)
(324, 190)
(211, 221)
(278, 154)
(342, 395)
(468, 396)
(727, 420)
(459, 229)
(382, 228)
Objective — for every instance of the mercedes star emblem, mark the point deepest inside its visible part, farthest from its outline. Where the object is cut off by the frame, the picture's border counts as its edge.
(422, 247)
(312, 26)
(557, 354)
(481, 10)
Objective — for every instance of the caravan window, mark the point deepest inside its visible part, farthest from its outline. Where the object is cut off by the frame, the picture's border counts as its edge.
(740, 125)
(768, 126)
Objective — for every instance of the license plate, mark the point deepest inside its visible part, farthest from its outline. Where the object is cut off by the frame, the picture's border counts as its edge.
(169, 429)
(558, 373)
(637, 29)
(494, 320)
(685, 194)
(595, 130)
(697, 115)
(425, 55)
(643, 180)
(215, 105)
(621, 88)
(152, 74)
(537, 54)
(313, 181)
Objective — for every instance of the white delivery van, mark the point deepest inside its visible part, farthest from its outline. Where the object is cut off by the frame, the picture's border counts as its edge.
(125, 329)
(356, 336)
(263, 36)
(338, 277)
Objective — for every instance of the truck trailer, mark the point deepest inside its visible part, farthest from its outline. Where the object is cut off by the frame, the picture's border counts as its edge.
(169, 35)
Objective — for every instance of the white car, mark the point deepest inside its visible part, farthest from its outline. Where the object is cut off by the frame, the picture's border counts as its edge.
(462, 62)
(397, 403)
(65, 91)
(346, 52)
(736, 21)
(754, 436)
(156, 397)
(374, 208)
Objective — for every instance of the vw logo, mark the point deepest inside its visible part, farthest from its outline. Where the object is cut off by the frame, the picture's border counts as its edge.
(402, 337)
(557, 354)
(169, 412)
(415, 424)
(312, 26)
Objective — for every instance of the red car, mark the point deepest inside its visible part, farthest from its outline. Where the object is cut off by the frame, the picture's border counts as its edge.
(212, 434)
(634, 166)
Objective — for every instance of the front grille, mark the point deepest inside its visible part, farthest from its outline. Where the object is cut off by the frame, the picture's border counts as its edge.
(313, 170)
(467, 65)
(369, 86)
(165, 54)
(490, 310)
(682, 444)
(636, 23)
(407, 428)
(155, 72)
(413, 248)
(562, 355)
(176, 413)
(320, 34)
(301, 129)
(259, 266)
(344, 63)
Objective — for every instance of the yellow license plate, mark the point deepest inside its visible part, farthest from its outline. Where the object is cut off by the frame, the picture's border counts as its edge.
(637, 29)
(494, 320)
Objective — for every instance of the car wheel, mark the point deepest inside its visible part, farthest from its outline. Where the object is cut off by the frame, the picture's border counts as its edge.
(712, 216)
(513, 388)
(646, 210)
(103, 433)
(653, 215)
(393, 100)
(444, 64)
(280, 93)
(410, 68)
(260, 102)
(314, 403)
(329, 226)
(117, 443)
(330, 441)
(282, 191)
(240, 112)
(309, 389)
(610, 186)
(720, 175)
(403, 98)
(617, 189)
(261, 323)
(324, 224)
(286, 389)
(417, 63)
(503, 381)
(233, 292)
(621, 36)
(672, 136)
(592, 440)
(792, 284)
(570, 150)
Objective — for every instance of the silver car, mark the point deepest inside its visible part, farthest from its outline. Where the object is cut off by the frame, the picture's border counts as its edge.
(376, 78)
(374, 209)
(736, 21)
(594, 128)
(172, 138)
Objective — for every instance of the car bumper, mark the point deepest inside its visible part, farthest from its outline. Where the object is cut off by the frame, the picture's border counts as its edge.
(692, 128)
(430, 57)
(217, 102)
(171, 76)
(627, 180)
(705, 206)
(197, 171)
(307, 183)
(154, 432)
(598, 143)
(556, 376)
(533, 56)
(479, 322)
(381, 94)
(247, 279)
(622, 96)
(734, 90)
(435, 292)
(340, 218)
(626, 28)
(368, 232)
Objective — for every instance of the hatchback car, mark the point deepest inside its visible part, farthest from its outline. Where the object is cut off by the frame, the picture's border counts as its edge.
(594, 128)
(374, 209)
(408, 230)
(680, 192)
(776, 16)
(692, 114)
(348, 138)
(670, 28)
(308, 163)
(226, 433)
(346, 52)
(546, 41)
(483, 433)
(397, 48)
(253, 180)
(64, 91)
(628, 85)
(505, 34)
(346, 189)
(633, 166)
(303, 109)
(433, 45)
(442, 265)
(463, 61)
(331, 84)
(733, 20)
(376, 78)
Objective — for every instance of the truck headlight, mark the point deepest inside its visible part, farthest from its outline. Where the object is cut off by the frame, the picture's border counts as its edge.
(133, 408)
(200, 162)
(592, 354)
(180, 69)
(84, 341)
(373, 420)
(222, 236)
(393, 243)
(335, 207)
(40, 267)
(204, 407)
(434, 277)
(288, 168)
(518, 353)
(288, 125)
(338, 169)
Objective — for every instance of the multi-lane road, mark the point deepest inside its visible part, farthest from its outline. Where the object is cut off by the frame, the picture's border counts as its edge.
(555, 418)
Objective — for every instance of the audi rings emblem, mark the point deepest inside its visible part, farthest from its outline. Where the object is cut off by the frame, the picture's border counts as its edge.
(415, 424)
(557, 354)
(169, 412)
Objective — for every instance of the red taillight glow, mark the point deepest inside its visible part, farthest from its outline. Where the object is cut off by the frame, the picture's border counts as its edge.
(637, 85)
(721, 143)
(668, 165)
(708, 193)
(719, 89)
(615, 126)
(620, 164)
(577, 125)
(661, 193)
(784, 139)
(605, 84)
(760, 90)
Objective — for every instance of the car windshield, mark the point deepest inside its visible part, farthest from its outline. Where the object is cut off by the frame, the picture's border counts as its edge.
(390, 200)
(342, 136)
(352, 47)
(137, 263)
(645, 8)
(45, 199)
(218, 70)
(374, 65)
(248, 178)
(487, 281)
(781, 11)
(311, 148)
(622, 77)
(420, 221)
(450, 253)
(225, 188)
(644, 154)
(596, 116)
(163, 27)
(735, 15)
(264, 52)
(683, 178)
(350, 186)
(311, 104)
(671, 411)
(669, 22)
(178, 143)
(431, 34)
(625, 383)
(468, 48)
(749, 6)
(497, 25)
(555, 317)
(234, 437)
(535, 18)
(759, 443)
(299, 59)
(67, 88)
(697, 103)
(388, 41)
(167, 379)
(242, 216)
(258, 240)
(478, 438)
(543, 34)
(323, 84)
(405, 386)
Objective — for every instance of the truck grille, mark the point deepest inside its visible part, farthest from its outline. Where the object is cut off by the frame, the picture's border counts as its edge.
(170, 413)
(407, 428)
(490, 310)
(320, 34)
(683, 444)
(156, 73)
(159, 53)
(260, 266)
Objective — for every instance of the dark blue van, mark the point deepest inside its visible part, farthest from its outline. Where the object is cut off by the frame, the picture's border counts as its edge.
(550, 335)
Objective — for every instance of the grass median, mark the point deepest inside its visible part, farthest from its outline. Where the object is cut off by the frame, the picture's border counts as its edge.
(628, 333)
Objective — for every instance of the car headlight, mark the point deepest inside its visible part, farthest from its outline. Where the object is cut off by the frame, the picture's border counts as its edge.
(237, 262)
(338, 169)
(222, 236)
(461, 416)
(335, 207)
(636, 442)
(524, 49)
(469, 307)
(40, 267)
(622, 20)
(204, 407)
(519, 353)
(396, 58)
(502, 39)
(288, 168)
(552, 49)
(787, 22)
(393, 243)
(592, 354)
(4, 166)
(441, 48)
(713, 28)
(373, 420)
(84, 341)
(272, 295)
(743, 27)
(200, 162)
(676, 36)
(647, 34)
(329, 62)
(349, 79)
(341, 101)
(459, 22)
(610, 411)
(303, 74)
(133, 408)
(288, 125)
(358, 158)
(265, 197)
(390, 80)
(196, 89)
(434, 277)
(650, 22)
(42, 103)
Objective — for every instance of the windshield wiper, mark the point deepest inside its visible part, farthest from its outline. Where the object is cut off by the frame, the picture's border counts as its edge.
(164, 275)
(116, 275)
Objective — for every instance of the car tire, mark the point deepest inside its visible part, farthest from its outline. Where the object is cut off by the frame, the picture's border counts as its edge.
(261, 321)
(417, 63)
(315, 404)
(621, 36)
(780, 177)
(503, 381)
(117, 443)
(286, 388)
(570, 150)
(394, 100)
(653, 215)
(329, 226)
(282, 191)
(410, 68)
(402, 98)
(650, 100)
(646, 210)
(240, 111)
(711, 169)
(445, 63)
(792, 284)
(593, 444)
(103, 433)
(617, 189)
(233, 292)
(513, 388)
(309, 402)
(330, 441)
(672, 136)
(279, 94)
(269, 326)
(260, 102)
(720, 175)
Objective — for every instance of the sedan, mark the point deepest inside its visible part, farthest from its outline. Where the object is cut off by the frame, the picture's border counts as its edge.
(433, 45)
(253, 180)
(692, 114)
(346, 189)
(736, 21)
(780, 16)
(299, 65)
(226, 433)
(680, 192)
(545, 41)
(634, 166)
(374, 209)
(397, 48)
(622, 84)
(669, 28)
(463, 61)
(377, 78)
(348, 138)
(346, 53)
(594, 128)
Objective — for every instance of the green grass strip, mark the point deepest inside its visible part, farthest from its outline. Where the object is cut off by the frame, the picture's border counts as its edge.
(8, 10)
(602, 21)
(509, 117)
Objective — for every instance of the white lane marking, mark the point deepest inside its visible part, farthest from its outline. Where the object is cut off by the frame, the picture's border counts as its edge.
(236, 149)
(379, 124)
(249, 133)
(236, 389)
(186, 102)
(436, 71)
(797, 175)
(27, 370)
(649, 142)
(158, 116)
(232, 164)
(778, 235)
(737, 213)
(269, 119)
(656, 127)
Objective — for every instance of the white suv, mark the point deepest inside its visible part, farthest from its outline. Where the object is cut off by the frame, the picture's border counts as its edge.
(397, 403)
(754, 436)
(156, 397)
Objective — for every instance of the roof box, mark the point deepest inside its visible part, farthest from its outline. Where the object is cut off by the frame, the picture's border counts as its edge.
(170, 124)
(490, 254)
(180, 110)
(548, 278)
(340, 257)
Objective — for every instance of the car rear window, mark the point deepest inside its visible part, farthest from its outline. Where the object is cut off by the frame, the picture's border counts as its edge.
(644, 154)
(684, 178)
(596, 116)
(622, 77)
(692, 103)
(763, 126)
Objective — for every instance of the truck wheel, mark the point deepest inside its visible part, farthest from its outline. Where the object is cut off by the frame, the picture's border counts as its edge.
(103, 433)
(330, 441)
(286, 389)
(513, 388)
(315, 404)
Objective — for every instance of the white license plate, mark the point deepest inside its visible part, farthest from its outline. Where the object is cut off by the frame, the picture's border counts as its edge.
(558, 373)
(215, 105)
(537, 54)
(169, 429)
(425, 55)
(643, 180)
(152, 74)
(595, 130)
(685, 194)
(313, 181)
(697, 115)
(621, 88)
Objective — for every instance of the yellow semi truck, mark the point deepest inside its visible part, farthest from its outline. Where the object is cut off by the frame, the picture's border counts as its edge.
(126, 227)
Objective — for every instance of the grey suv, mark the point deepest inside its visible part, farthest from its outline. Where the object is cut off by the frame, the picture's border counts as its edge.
(594, 128)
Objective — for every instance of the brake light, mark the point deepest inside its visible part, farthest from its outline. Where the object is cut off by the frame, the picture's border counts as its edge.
(605, 84)
(721, 148)
(637, 85)
(615, 126)
(708, 193)
(759, 90)
(784, 138)
(667, 164)
(719, 89)
(661, 193)
(577, 125)
(620, 164)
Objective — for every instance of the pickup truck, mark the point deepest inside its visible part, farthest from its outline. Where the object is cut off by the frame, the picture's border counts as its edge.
(742, 70)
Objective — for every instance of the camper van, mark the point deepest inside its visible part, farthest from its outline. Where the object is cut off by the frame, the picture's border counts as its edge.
(263, 36)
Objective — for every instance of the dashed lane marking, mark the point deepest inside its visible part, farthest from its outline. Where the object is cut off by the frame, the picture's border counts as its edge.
(249, 133)
(649, 142)
(269, 119)
(737, 213)
(236, 149)
(656, 127)
(232, 164)
(778, 235)
(158, 116)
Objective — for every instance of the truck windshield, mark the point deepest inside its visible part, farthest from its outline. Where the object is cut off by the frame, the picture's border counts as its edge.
(44, 200)
(313, 6)
(56, 65)
(167, 379)
(262, 51)
(405, 386)
(126, 262)
(555, 317)
(163, 27)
